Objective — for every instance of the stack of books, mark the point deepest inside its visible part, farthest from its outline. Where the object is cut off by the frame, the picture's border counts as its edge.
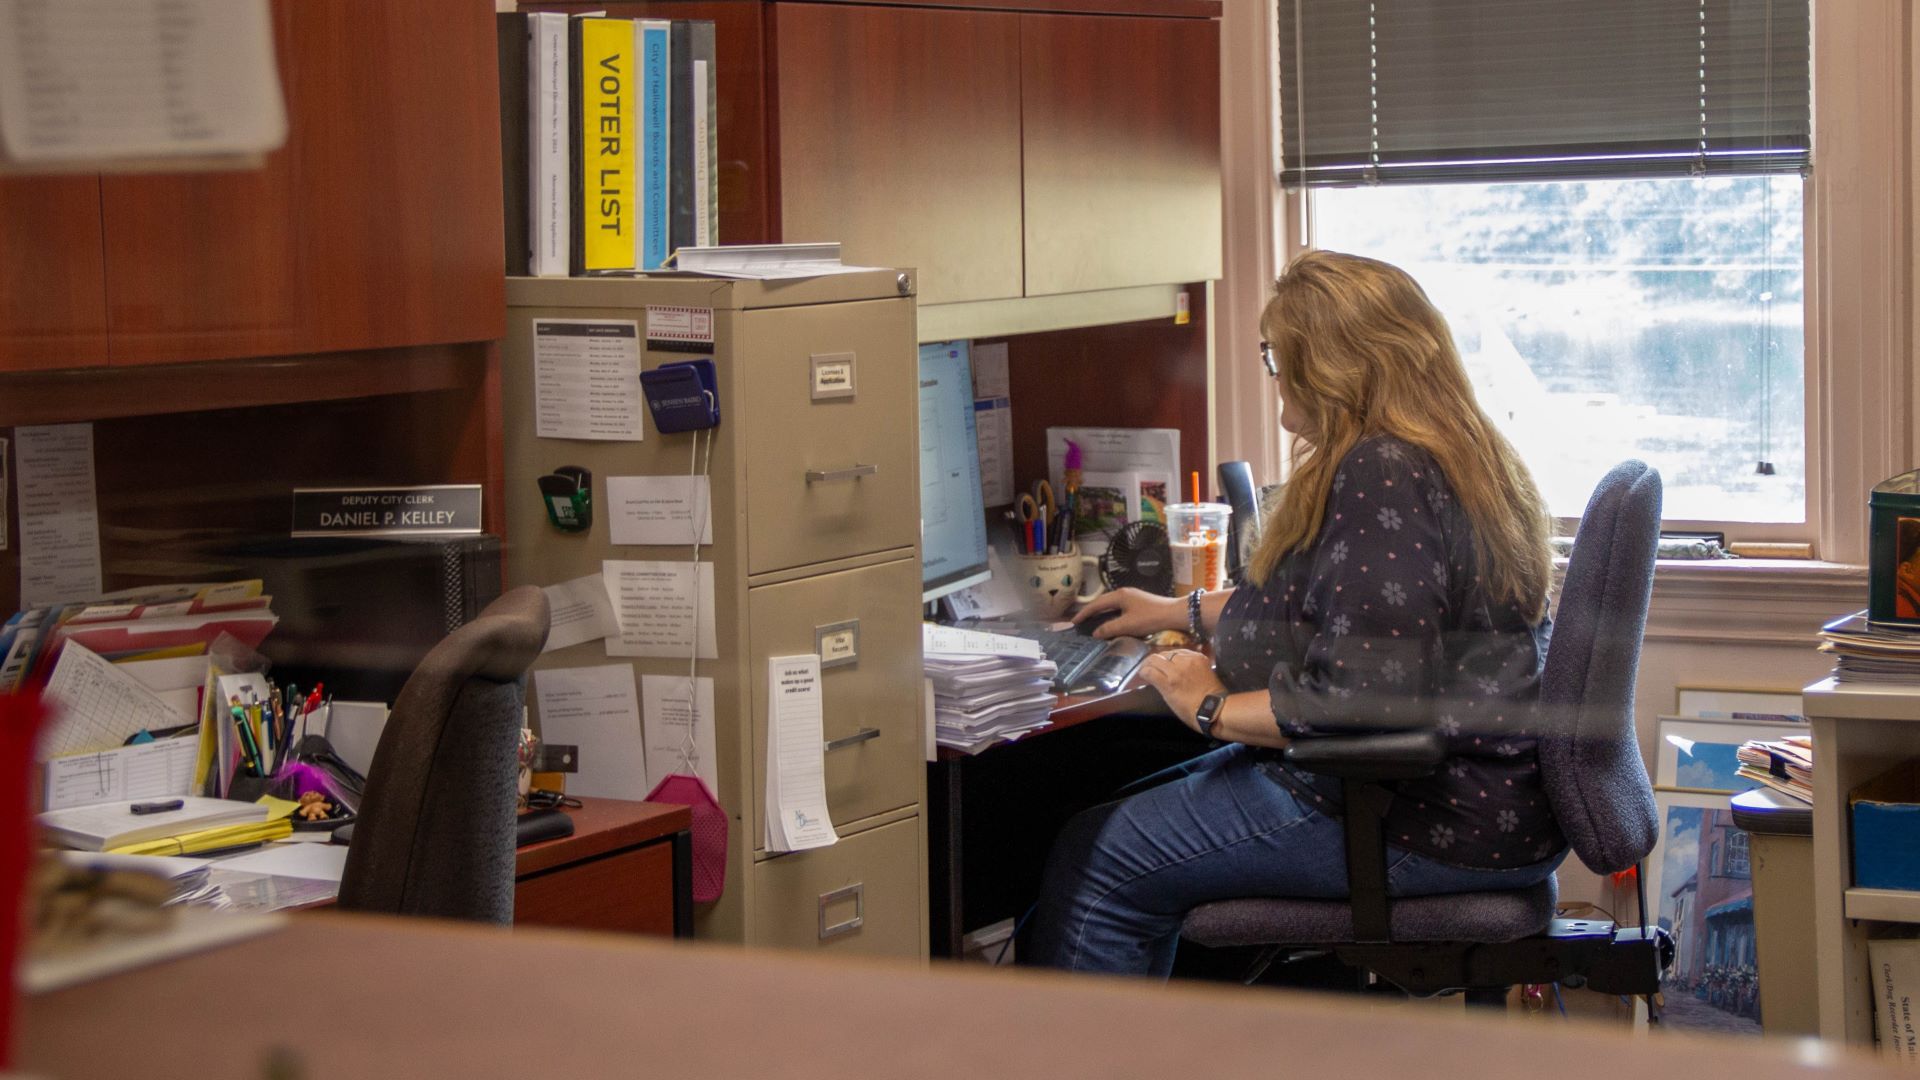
(1866, 652)
(608, 141)
(1785, 766)
(987, 688)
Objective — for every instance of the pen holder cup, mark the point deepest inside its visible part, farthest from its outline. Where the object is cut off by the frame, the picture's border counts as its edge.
(1050, 584)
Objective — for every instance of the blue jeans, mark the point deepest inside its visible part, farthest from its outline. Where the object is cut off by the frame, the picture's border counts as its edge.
(1122, 876)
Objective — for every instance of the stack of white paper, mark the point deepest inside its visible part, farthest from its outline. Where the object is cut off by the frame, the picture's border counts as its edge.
(987, 688)
(797, 816)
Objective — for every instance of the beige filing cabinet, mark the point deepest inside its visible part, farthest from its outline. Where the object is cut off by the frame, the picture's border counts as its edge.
(816, 530)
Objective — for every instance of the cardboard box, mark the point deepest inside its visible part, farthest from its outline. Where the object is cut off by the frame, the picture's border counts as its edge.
(1886, 830)
(1895, 965)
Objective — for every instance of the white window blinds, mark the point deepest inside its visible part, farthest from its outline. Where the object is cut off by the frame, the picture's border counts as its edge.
(1428, 91)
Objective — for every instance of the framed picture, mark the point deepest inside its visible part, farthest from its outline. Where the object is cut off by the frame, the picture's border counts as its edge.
(1700, 886)
(1734, 704)
(1702, 755)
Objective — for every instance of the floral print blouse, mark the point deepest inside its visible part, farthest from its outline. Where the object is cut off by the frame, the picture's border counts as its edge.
(1383, 623)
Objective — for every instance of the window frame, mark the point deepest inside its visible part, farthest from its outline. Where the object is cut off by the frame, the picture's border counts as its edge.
(1859, 231)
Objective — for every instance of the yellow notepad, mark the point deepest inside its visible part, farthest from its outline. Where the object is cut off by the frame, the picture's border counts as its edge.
(221, 836)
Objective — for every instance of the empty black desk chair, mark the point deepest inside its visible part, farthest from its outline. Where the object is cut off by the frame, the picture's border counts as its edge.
(435, 833)
(1485, 943)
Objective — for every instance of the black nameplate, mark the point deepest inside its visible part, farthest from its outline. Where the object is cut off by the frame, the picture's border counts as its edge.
(439, 510)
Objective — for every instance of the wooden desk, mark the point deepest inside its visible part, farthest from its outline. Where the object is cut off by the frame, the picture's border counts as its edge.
(427, 1000)
(992, 816)
(627, 867)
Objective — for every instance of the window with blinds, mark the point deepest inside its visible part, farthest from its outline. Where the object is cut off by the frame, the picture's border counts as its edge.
(1430, 91)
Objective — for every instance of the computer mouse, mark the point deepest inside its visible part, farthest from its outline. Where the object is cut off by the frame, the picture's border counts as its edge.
(1087, 625)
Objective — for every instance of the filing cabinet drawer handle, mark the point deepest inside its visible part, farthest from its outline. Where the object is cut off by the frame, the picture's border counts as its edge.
(822, 476)
(855, 739)
(856, 892)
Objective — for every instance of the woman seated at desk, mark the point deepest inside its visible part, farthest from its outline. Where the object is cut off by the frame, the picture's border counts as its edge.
(1403, 576)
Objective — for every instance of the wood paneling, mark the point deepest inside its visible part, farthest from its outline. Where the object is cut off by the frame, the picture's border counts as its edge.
(749, 211)
(630, 892)
(1121, 122)
(1146, 374)
(900, 138)
(378, 224)
(53, 296)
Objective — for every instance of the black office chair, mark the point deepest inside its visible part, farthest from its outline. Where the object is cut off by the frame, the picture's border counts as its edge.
(1236, 483)
(1485, 943)
(435, 832)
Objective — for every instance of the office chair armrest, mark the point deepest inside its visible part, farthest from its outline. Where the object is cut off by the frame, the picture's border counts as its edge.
(1399, 755)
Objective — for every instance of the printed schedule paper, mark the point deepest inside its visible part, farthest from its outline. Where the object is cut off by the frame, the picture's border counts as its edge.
(663, 609)
(153, 770)
(597, 710)
(797, 817)
(659, 509)
(586, 380)
(98, 706)
(59, 519)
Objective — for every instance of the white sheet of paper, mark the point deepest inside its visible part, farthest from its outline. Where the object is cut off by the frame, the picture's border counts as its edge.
(655, 606)
(154, 770)
(353, 728)
(990, 371)
(797, 817)
(59, 519)
(586, 380)
(94, 80)
(97, 705)
(581, 612)
(659, 509)
(670, 711)
(314, 862)
(949, 641)
(598, 710)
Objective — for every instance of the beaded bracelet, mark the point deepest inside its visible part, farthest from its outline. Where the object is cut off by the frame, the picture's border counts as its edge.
(1194, 628)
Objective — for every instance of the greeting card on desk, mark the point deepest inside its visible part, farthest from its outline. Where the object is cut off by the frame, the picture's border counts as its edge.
(96, 705)
(797, 817)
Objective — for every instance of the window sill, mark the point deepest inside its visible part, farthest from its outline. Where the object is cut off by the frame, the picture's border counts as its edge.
(1751, 601)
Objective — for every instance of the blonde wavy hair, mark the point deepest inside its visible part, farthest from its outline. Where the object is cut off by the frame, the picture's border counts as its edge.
(1361, 351)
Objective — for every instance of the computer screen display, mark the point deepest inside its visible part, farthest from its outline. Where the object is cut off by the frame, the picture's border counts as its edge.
(953, 530)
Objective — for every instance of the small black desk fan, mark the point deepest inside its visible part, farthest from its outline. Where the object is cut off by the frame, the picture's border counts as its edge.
(1138, 556)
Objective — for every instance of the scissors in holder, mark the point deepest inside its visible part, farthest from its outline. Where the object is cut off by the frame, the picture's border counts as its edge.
(1044, 505)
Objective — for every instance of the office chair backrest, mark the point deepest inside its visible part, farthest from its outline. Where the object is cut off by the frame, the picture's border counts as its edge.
(1236, 483)
(1589, 752)
(435, 833)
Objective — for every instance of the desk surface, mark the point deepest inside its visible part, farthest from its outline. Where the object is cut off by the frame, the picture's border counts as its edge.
(419, 999)
(600, 826)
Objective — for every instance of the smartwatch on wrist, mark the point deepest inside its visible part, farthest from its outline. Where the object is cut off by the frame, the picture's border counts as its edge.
(1208, 712)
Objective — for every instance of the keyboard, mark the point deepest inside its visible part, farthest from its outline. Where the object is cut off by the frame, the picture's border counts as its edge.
(1085, 664)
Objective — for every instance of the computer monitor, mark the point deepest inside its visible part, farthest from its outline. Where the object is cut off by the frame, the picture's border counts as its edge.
(953, 528)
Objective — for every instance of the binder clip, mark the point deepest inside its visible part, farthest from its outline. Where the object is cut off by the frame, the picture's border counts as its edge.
(567, 493)
(682, 396)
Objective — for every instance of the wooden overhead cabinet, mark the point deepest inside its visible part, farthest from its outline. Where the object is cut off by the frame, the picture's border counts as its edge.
(53, 299)
(1120, 122)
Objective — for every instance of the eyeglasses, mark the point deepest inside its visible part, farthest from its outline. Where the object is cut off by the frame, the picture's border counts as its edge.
(1267, 361)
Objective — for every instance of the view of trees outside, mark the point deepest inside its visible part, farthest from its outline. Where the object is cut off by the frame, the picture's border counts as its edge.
(1609, 319)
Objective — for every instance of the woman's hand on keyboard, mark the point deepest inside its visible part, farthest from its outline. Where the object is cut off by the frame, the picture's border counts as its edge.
(1132, 613)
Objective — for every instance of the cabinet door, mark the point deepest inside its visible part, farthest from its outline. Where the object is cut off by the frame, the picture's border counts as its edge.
(1121, 133)
(377, 224)
(53, 297)
(899, 136)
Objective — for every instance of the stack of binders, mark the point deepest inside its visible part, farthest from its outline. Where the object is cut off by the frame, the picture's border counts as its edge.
(609, 141)
(987, 688)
